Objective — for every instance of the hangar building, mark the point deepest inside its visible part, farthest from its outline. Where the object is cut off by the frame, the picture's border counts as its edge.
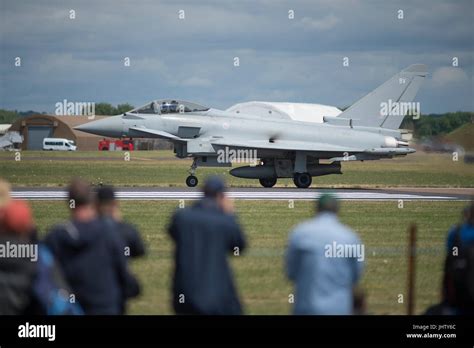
(35, 128)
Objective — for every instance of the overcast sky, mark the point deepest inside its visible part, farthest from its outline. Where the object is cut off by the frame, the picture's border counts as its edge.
(281, 59)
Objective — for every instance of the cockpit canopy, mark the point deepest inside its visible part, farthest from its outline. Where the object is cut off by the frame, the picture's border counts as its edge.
(168, 106)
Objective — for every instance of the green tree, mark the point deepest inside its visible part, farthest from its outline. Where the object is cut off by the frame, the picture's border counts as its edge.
(434, 124)
(8, 116)
(121, 108)
(105, 109)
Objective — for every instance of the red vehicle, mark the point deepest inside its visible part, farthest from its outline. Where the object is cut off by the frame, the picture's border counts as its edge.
(116, 145)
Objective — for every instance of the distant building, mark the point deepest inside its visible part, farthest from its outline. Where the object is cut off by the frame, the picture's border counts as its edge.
(37, 127)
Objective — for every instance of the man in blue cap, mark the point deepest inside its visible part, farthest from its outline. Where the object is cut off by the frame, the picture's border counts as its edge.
(325, 260)
(204, 235)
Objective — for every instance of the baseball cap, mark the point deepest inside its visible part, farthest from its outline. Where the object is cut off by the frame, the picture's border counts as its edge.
(213, 186)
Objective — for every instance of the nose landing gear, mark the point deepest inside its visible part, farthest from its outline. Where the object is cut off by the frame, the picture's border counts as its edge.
(192, 180)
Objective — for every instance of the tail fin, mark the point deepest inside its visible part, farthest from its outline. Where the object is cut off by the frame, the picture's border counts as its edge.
(377, 109)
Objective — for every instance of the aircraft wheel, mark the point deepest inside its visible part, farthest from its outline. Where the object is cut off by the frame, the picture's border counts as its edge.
(268, 182)
(302, 180)
(191, 181)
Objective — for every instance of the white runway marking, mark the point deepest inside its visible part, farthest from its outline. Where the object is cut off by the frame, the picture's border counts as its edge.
(244, 195)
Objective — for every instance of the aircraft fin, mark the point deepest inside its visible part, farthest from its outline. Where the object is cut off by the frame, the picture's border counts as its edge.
(401, 88)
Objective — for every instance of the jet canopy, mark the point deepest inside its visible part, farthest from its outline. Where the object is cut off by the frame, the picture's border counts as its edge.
(169, 106)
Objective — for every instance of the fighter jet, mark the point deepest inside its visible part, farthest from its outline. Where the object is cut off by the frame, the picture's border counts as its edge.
(276, 142)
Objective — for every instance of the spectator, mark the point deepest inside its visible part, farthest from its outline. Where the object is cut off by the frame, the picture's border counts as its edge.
(108, 209)
(91, 256)
(17, 272)
(4, 200)
(458, 280)
(204, 235)
(325, 261)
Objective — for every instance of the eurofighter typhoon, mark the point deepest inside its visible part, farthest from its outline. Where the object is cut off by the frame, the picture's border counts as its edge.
(278, 140)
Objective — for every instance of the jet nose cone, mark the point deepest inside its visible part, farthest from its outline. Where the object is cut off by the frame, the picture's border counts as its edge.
(91, 127)
(83, 127)
(109, 126)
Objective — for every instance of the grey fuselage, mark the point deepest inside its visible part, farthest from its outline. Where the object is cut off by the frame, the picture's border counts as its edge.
(215, 124)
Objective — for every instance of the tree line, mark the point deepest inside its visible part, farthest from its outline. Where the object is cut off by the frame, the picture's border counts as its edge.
(102, 109)
(436, 124)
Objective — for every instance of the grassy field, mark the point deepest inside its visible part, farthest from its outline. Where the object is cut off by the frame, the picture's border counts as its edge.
(160, 168)
(260, 271)
(463, 136)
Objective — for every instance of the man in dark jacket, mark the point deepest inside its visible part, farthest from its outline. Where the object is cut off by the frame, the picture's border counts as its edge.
(108, 209)
(91, 256)
(204, 235)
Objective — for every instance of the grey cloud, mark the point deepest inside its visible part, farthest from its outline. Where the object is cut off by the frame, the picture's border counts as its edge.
(281, 59)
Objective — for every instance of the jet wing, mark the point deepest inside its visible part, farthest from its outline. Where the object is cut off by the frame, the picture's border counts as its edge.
(153, 133)
(287, 145)
(5, 143)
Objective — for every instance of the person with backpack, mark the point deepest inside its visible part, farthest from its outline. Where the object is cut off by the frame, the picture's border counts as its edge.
(91, 256)
(458, 280)
(51, 293)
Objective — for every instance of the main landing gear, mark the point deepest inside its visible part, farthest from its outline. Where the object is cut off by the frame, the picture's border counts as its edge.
(301, 177)
(268, 182)
(192, 180)
(302, 180)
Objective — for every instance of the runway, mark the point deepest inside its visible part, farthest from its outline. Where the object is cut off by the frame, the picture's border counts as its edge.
(157, 193)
